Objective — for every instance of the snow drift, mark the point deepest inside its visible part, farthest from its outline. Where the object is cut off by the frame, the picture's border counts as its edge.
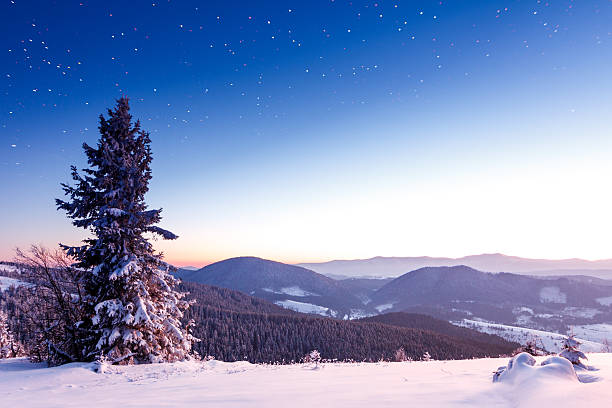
(523, 368)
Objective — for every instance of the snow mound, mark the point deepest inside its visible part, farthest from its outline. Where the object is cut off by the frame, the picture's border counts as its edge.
(522, 368)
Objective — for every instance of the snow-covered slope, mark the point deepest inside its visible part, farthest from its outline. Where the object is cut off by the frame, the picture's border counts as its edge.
(548, 340)
(601, 332)
(465, 383)
(6, 283)
(305, 307)
(7, 268)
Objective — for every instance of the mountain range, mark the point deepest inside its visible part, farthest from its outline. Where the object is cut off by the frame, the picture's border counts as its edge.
(451, 293)
(460, 292)
(241, 296)
(290, 286)
(396, 266)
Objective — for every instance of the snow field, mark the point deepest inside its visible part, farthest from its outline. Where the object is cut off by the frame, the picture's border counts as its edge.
(552, 342)
(7, 268)
(291, 291)
(600, 332)
(241, 384)
(305, 307)
(6, 283)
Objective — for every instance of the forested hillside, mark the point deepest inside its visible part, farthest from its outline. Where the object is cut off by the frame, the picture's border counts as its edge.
(425, 322)
(288, 285)
(234, 326)
(460, 292)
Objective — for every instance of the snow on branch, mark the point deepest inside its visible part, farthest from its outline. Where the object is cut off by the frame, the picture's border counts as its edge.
(131, 266)
(160, 231)
(115, 212)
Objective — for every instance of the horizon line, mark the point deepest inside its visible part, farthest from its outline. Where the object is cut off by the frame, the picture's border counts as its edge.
(202, 264)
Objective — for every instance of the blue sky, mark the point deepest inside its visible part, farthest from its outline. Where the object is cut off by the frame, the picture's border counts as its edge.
(304, 131)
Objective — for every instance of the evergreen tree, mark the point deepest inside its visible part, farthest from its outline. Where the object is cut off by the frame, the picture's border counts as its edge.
(570, 351)
(530, 347)
(400, 355)
(313, 357)
(134, 310)
(9, 347)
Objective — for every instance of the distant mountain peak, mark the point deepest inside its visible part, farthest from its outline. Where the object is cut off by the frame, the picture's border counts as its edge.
(286, 285)
(489, 262)
(188, 268)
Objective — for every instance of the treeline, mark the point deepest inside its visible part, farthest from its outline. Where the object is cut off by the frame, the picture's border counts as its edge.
(14, 302)
(233, 326)
(229, 299)
(425, 322)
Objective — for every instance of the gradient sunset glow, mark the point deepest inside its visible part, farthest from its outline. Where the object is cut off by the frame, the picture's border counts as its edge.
(310, 131)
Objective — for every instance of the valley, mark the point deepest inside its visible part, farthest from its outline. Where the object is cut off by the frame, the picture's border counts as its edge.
(555, 304)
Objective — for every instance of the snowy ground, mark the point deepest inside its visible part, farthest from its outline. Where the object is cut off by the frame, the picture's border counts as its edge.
(601, 332)
(6, 283)
(7, 268)
(590, 336)
(217, 384)
(306, 307)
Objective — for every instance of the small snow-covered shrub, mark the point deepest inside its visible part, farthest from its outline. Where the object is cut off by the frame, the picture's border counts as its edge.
(313, 357)
(531, 347)
(606, 346)
(570, 351)
(400, 355)
(101, 364)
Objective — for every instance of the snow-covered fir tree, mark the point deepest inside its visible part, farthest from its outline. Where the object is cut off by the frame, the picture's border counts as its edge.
(531, 347)
(400, 355)
(9, 347)
(605, 348)
(313, 357)
(570, 351)
(134, 309)
(427, 356)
